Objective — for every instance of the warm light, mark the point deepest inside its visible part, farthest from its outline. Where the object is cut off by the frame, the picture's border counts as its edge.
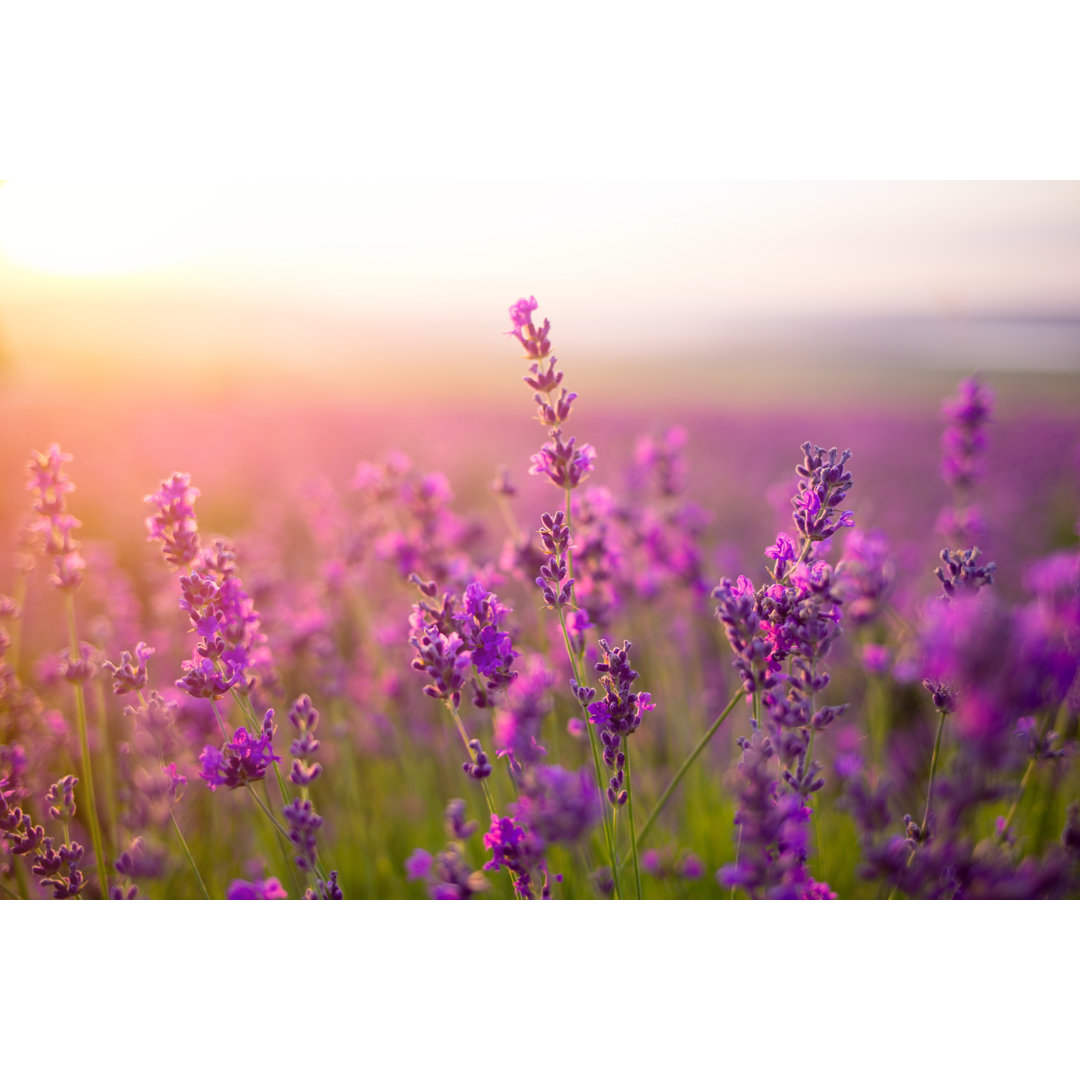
(87, 228)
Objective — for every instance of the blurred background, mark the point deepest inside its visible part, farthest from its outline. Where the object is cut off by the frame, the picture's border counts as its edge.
(702, 291)
(252, 333)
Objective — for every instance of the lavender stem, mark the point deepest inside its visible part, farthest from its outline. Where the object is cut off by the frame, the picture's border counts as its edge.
(677, 778)
(630, 809)
(189, 856)
(84, 750)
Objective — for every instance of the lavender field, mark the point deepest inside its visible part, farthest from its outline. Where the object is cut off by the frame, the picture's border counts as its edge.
(782, 652)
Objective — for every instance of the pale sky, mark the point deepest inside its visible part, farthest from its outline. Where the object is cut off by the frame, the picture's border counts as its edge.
(684, 249)
(115, 267)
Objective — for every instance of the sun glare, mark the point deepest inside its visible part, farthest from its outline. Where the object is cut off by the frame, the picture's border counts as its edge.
(88, 229)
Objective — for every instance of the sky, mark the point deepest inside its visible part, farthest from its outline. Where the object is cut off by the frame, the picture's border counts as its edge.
(312, 272)
(333, 187)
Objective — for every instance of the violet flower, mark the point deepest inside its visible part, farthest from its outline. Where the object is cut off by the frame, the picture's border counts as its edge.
(823, 486)
(241, 761)
(268, 889)
(50, 485)
(556, 805)
(520, 852)
(175, 524)
(130, 674)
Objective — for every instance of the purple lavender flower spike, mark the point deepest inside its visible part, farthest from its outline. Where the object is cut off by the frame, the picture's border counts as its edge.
(61, 798)
(823, 486)
(50, 485)
(520, 852)
(325, 890)
(270, 889)
(175, 524)
(961, 572)
(555, 582)
(443, 660)
(454, 819)
(418, 865)
(242, 760)
(129, 676)
(480, 767)
(304, 825)
(565, 465)
(558, 806)
(964, 438)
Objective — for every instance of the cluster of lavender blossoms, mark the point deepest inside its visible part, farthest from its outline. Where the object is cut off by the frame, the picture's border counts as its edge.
(562, 462)
(54, 865)
(781, 634)
(230, 651)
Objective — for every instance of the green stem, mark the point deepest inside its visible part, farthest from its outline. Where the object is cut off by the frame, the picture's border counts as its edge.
(84, 749)
(929, 794)
(20, 879)
(614, 837)
(630, 809)
(694, 754)
(933, 770)
(594, 745)
(283, 839)
(269, 813)
(484, 786)
(569, 552)
(190, 857)
(109, 777)
(1048, 724)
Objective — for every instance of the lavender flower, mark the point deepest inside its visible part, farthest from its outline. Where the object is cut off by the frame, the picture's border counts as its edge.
(519, 851)
(304, 825)
(556, 805)
(517, 724)
(53, 867)
(865, 575)
(50, 485)
(241, 761)
(554, 581)
(175, 524)
(823, 486)
(774, 833)
(964, 439)
(565, 465)
(304, 718)
(448, 642)
(139, 860)
(479, 768)
(325, 890)
(617, 714)
(963, 446)
(664, 458)
(448, 876)
(268, 889)
(61, 799)
(443, 660)
(454, 820)
(961, 572)
(130, 675)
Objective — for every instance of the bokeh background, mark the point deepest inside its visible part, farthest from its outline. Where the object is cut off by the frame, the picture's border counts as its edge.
(251, 329)
(390, 298)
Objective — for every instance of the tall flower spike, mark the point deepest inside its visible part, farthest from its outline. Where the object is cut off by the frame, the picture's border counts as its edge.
(823, 486)
(174, 524)
(50, 485)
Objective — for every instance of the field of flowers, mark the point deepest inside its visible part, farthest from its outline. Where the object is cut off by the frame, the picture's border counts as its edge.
(705, 659)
